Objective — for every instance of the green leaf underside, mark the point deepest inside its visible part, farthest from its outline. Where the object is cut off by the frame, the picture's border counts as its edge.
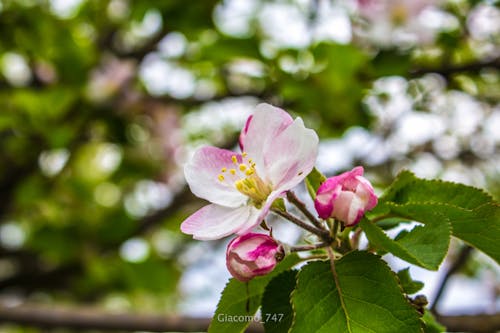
(277, 312)
(472, 214)
(424, 246)
(367, 299)
(409, 285)
(313, 180)
(236, 301)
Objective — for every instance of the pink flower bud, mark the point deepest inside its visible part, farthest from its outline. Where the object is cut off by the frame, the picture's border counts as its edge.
(250, 255)
(345, 197)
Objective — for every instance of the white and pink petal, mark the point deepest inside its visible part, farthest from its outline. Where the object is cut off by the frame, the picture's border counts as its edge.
(215, 222)
(291, 156)
(202, 175)
(260, 131)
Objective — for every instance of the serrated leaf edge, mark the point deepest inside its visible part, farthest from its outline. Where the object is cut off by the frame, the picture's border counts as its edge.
(417, 261)
(422, 323)
(405, 172)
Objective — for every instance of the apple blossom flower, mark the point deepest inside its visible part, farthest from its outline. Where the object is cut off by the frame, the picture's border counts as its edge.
(252, 255)
(395, 22)
(397, 11)
(345, 197)
(277, 154)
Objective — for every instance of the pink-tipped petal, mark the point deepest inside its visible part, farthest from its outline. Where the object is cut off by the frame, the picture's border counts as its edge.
(215, 222)
(264, 210)
(345, 197)
(349, 179)
(244, 132)
(356, 210)
(325, 196)
(291, 156)
(202, 175)
(365, 191)
(342, 207)
(266, 124)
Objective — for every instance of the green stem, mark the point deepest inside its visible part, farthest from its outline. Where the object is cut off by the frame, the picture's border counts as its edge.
(313, 257)
(308, 247)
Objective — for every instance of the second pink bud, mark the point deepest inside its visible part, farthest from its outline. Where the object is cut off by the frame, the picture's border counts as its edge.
(345, 197)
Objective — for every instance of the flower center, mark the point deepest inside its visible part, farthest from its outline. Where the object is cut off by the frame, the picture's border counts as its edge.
(246, 180)
(399, 13)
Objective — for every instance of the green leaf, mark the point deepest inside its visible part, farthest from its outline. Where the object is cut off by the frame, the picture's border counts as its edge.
(389, 223)
(279, 204)
(473, 214)
(425, 246)
(479, 227)
(313, 180)
(364, 297)
(243, 299)
(431, 324)
(409, 285)
(408, 188)
(277, 312)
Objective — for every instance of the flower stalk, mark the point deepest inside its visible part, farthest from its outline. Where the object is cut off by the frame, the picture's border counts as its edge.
(323, 234)
(302, 207)
(302, 248)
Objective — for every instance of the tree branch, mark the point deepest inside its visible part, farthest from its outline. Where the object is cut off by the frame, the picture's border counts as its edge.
(459, 262)
(76, 319)
(480, 323)
(93, 319)
(450, 70)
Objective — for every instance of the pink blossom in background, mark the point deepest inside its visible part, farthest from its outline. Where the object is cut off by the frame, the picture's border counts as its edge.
(345, 197)
(251, 255)
(393, 10)
(391, 22)
(277, 154)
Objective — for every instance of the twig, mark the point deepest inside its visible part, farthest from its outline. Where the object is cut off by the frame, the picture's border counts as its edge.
(308, 247)
(459, 262)
(302, 207)
(320, 233)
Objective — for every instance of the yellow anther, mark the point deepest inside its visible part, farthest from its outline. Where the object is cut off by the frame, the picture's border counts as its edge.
(244, 154)
(234, 159)
(250, 161)
(221, 178)
(223, 169)
(249, 172)
(232, 171)
(242, 167)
